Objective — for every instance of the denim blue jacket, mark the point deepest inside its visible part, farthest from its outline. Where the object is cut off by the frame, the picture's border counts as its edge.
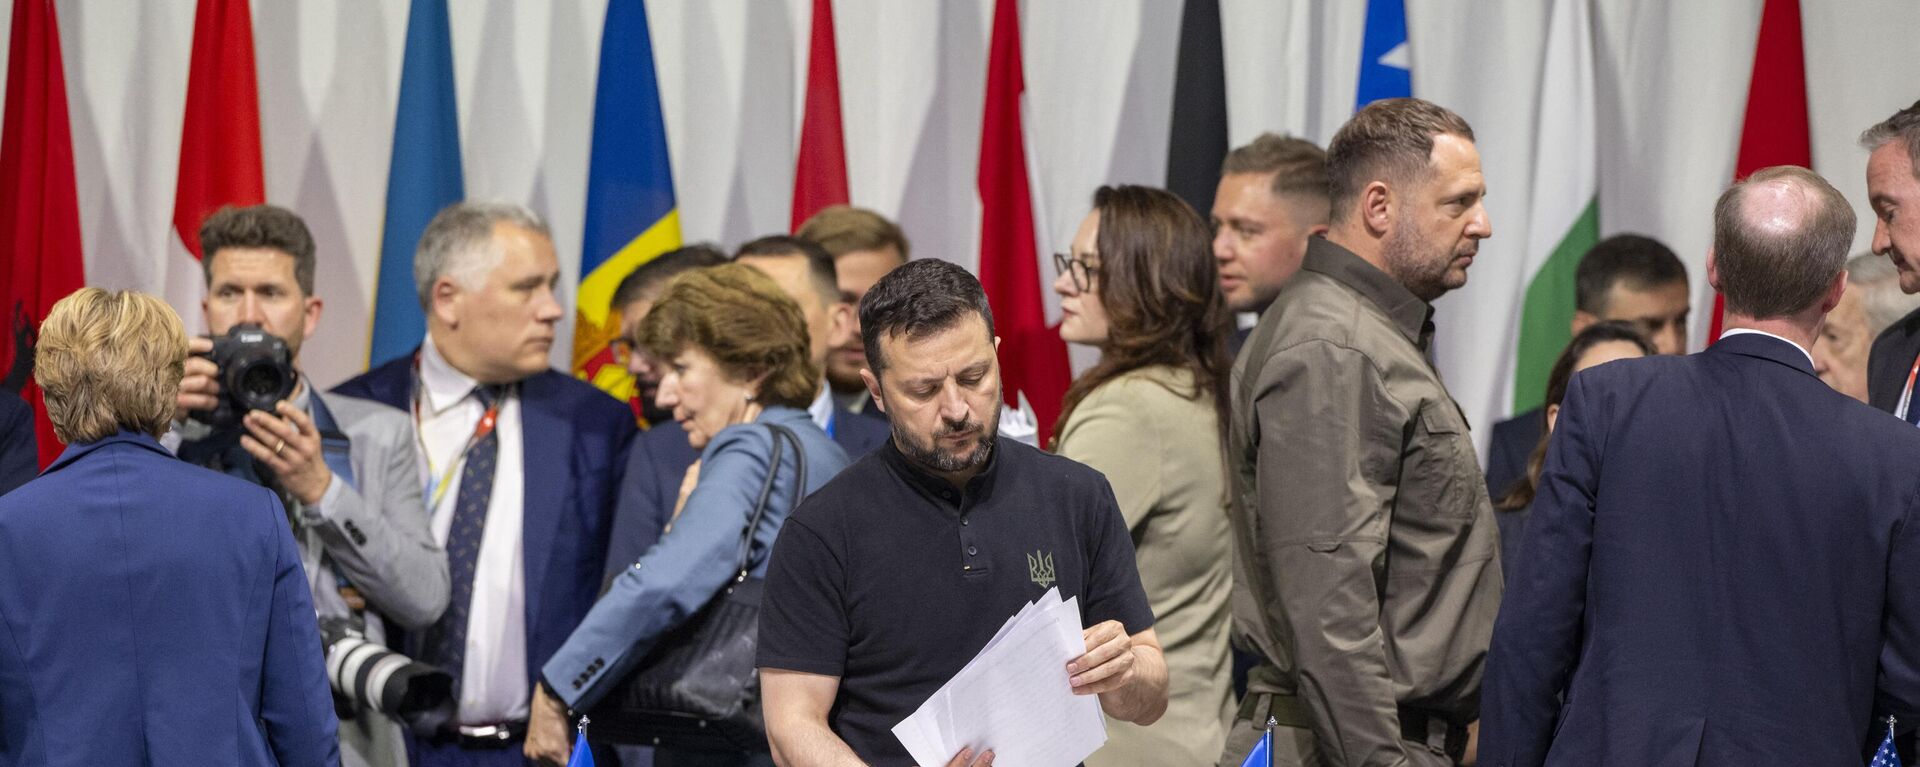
(697, 557)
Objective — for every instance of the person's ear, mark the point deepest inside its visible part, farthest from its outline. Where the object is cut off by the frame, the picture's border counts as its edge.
(1582, 321)
(1377, 201)
(1834, 293)
(1713, 269)
(446, 295)
(873, 389)
(1553, 415)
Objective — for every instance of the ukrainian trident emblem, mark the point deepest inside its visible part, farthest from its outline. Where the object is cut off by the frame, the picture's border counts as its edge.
(1040, 568)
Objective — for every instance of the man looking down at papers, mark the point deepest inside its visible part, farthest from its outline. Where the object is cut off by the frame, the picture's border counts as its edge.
(889, 579)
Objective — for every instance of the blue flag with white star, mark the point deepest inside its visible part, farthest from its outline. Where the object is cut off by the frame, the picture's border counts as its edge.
(1385, 65)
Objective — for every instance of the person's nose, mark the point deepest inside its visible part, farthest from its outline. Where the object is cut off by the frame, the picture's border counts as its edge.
(953, 403)
(251, 310)
(1882, 237)
(547, 306)
(669, 394)
(1480, 227)
(1222, 248)
(1063, 284)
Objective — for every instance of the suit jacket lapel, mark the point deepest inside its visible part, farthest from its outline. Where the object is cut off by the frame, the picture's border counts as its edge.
(545, 437)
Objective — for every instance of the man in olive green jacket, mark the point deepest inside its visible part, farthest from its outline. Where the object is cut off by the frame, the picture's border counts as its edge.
(1365, 546)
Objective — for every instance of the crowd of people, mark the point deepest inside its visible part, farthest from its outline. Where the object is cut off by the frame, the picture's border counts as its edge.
(1262, 496)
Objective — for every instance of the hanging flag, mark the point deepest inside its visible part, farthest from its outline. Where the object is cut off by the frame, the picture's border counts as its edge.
(1197, 139)
(1775, 129)
(820, 176)
(1563, 218)
(1033, 359)
(1262, 753)
(581, 756)
(1385, 64)
(220, 137)
(631, 215)
(1888, 755)
(40, 256)
(423, 176)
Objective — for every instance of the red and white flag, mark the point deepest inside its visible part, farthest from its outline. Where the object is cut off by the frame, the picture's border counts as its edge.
(820, 174)
(1033, 359)
(219, 138)
(40, 256)
(1775, 129)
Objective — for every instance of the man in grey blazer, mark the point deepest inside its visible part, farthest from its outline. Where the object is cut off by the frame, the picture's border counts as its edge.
(346, 468)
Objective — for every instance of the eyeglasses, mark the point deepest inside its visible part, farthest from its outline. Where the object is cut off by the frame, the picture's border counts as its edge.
(1080, 270)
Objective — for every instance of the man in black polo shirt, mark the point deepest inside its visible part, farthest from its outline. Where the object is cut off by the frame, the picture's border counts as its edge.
(886, 581)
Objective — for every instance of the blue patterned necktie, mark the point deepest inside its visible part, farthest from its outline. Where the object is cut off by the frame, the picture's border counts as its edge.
(446, 645)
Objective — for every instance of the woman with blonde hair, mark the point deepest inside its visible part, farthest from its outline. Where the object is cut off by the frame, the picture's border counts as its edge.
(156, 612)
(738, 376)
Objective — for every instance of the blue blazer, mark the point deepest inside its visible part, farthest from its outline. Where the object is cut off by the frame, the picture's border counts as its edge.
(659, 460)
(691, 564)
(1721, 568)
(576, 442)
(19, 455)
(154, 612)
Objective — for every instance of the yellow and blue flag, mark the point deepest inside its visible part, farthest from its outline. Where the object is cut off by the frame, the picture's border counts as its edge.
(423, 176)
(631, 214)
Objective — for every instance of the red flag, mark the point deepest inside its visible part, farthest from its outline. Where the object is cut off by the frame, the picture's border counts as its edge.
(40, 257)
(1775, 131)
(820, 179)
(220, 138)
(1033, 359)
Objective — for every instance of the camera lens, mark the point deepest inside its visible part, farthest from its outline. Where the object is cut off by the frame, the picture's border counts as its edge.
(261, 381)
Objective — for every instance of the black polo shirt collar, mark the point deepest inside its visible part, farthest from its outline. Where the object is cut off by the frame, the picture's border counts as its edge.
(1413, 316)
(937, 490)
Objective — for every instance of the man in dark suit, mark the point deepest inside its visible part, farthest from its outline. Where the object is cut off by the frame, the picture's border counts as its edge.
(19, 456)
(1627, 277)
(521, 464)
(1721, 553)
(865, 247)
(1893, 186)
(152, 612)
(658, 463)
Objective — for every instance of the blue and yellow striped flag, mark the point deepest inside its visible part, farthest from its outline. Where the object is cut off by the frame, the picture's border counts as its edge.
(631, 216)
(423, 176)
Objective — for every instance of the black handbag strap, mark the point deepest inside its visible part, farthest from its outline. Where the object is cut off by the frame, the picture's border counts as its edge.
(781, 435)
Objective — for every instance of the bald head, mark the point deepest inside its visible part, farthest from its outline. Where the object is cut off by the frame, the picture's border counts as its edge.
(1780, 241)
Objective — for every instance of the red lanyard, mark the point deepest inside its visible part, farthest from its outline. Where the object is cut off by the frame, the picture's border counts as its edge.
(1906, 394)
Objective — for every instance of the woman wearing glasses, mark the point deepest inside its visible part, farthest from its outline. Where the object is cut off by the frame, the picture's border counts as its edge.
(1141, 285)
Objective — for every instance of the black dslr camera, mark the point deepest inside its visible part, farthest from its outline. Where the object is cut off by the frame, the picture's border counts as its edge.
(256, 371)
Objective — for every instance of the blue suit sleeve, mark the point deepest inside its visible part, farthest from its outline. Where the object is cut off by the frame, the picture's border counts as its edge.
(674, 579)
(295, 701)
(1537, 635)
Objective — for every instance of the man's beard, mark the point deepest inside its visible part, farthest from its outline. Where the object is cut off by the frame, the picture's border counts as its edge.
(927, 454)
(1417, 265)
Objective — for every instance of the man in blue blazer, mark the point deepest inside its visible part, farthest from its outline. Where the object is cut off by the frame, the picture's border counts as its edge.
(521, 463)
(1721, 559)
(151, 611)
(660, 457)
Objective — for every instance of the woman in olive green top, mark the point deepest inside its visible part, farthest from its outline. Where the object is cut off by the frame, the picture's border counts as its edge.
(1142, 286)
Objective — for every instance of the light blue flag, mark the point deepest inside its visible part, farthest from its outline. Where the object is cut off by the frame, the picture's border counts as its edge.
(423, 176)
(1385, 65)
(1262, 754)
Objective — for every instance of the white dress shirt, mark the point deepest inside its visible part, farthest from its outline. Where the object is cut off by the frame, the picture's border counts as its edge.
(822, 409)
(493, 680)
(1738, 331)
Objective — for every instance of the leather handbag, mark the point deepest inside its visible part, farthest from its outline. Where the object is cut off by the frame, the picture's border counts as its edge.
(698, 689)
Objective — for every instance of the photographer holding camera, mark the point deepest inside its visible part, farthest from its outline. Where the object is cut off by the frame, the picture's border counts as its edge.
(345, 468)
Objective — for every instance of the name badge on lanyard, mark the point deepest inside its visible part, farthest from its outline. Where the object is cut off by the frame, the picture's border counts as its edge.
(1901, 409)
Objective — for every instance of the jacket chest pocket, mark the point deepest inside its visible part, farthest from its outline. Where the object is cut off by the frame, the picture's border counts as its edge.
(1440, 479)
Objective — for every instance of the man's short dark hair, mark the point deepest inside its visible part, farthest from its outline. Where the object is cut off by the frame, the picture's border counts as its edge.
(843, 229)
(647, 278)
(916, 300)
(1635, 261)
(825, 279)
(1299, 167)
(1390, 140)
(259, 226)
(1767, 274)
(1904, 127)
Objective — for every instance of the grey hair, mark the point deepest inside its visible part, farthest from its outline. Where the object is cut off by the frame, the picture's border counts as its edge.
(1904, 127)
(1881, 300)
(458, 243)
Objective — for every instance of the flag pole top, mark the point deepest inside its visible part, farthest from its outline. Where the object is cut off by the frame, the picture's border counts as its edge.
(1890, 721)
(1273, 722)
(584, 721)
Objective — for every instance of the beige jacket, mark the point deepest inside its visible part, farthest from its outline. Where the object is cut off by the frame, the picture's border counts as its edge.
(1366, 572)
(1161, 452)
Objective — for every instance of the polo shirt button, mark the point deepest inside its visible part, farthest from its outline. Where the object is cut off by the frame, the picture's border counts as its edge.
(963, 523)
(971, 551)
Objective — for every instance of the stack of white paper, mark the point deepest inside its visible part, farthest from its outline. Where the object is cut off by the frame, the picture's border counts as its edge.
(1014, 698)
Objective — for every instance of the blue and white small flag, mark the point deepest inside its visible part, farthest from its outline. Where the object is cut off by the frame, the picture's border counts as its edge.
(1262, 754)
(1887, 756)
(582, 756)
(1386, 67)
